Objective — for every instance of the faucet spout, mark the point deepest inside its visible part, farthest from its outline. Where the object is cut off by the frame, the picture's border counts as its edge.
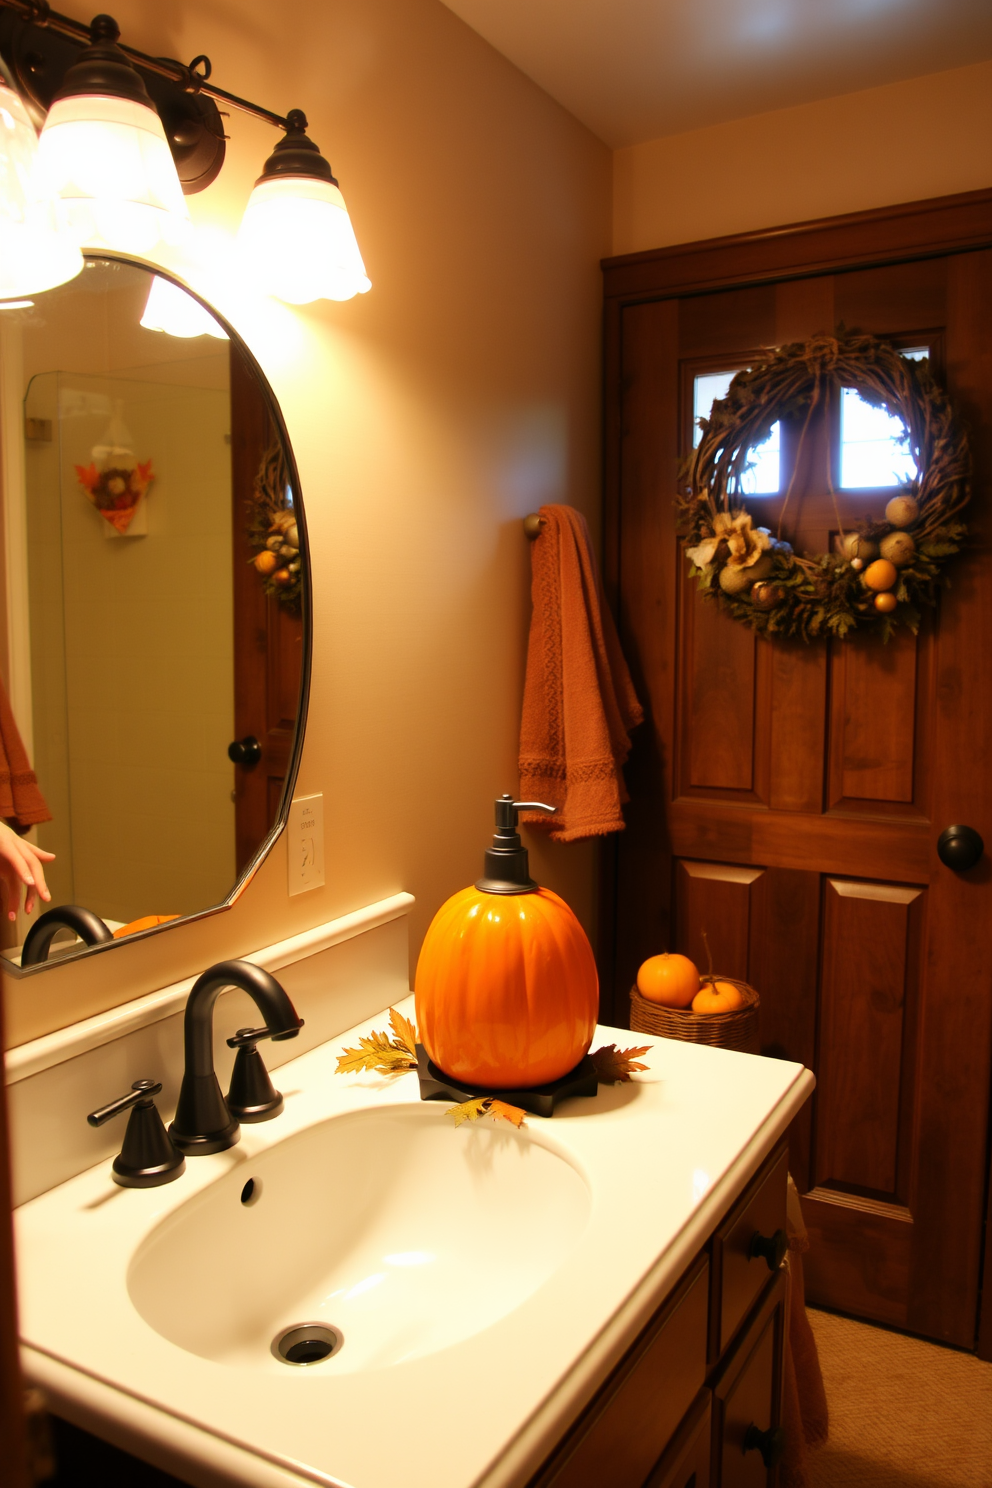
(203, 1121)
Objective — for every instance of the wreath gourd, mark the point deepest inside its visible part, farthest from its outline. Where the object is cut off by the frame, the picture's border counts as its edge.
(884, 571)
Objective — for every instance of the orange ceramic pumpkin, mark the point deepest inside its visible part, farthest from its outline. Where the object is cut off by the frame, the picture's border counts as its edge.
(507, 991)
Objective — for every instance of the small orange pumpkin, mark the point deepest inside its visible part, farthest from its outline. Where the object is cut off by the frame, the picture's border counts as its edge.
(506, 987)
(670, 980)
(717, 997)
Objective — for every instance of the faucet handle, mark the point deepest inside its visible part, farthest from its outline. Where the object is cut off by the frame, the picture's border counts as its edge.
(147, 1157)
(141, 1090)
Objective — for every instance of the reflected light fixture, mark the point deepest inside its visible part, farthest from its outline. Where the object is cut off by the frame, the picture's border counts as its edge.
(103, 157)
(296, 239)
(170, 309)
(33, 255)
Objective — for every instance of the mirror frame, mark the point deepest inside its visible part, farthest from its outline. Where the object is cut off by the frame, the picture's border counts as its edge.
(246, 875)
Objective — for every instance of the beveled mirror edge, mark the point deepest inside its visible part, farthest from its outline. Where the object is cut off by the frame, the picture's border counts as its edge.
(244, 878)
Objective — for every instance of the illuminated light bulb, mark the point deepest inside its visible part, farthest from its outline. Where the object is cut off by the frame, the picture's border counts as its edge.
(33, 255)
(296, 240)
(103, 157)
(170, 309)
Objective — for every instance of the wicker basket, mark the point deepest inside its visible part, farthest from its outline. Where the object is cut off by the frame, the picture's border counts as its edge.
(736, 1030)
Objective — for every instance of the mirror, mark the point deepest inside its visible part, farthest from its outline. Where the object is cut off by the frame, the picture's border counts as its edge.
(157, 600)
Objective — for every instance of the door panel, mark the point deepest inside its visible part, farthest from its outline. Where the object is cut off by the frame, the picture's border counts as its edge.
(788, 798)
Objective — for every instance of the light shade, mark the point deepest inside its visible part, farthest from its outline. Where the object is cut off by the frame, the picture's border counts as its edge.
(107, 165)
(297, 242)
(170, 309)
(33, 256)
(103, 157)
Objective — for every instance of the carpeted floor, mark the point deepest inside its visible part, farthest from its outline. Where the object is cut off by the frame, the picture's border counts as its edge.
(903, 1413)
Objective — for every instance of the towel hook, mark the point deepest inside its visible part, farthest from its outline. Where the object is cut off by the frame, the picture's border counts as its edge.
(534, 524)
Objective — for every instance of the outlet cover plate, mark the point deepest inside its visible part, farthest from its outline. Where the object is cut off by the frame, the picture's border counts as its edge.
(306, 844)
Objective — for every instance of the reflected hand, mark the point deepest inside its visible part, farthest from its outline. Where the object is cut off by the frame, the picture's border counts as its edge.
(22, 863)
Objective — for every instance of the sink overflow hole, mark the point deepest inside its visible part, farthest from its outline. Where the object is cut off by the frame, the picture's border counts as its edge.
(307, 1343)
(252, 1192)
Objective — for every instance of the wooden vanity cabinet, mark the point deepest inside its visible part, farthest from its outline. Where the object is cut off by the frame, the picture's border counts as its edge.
(697, 1399)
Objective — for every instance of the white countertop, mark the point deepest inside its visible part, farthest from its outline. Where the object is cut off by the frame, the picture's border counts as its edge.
(664, 1157)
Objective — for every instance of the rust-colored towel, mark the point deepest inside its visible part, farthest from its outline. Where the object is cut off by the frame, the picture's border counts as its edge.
(21, 802)
(579, 701)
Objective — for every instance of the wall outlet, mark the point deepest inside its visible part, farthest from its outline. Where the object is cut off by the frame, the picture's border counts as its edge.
(306, 844)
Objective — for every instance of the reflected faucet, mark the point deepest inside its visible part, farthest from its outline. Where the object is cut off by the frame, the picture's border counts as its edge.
(87, 925)
(203, 1121)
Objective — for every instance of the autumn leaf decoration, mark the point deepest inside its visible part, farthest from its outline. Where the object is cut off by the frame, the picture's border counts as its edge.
(396, 1054)
(382, 1054)
(615, 1066)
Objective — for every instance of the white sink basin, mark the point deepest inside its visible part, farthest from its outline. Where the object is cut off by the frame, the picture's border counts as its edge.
(388, 1226)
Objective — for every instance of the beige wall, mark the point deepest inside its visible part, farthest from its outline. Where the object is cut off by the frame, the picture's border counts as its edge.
(427, 417)
(930, 136)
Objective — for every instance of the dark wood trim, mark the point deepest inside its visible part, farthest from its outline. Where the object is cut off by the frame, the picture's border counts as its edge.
(923, 229)
(12, 1436)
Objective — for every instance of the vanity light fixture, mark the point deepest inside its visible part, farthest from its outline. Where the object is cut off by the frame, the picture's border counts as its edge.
(33, 255)
(296, 238)
(103, 158)
(127, 135)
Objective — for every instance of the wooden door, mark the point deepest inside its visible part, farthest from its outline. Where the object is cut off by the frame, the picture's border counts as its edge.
(788, 798)
(268, 638)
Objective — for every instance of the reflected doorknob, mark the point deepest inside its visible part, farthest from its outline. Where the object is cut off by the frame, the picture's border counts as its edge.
(960, 848)
(246, 751)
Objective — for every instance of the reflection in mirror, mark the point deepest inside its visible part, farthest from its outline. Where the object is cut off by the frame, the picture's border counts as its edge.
(155, 591)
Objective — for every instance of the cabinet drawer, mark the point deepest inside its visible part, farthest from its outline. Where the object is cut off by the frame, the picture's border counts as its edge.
(686, 1464)
(747, 1400)
(738, 1274)
(622, 1433)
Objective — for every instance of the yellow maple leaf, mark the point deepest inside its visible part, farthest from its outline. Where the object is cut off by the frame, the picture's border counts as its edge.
(376, 1052)
(615, 1065)
(405, 1032)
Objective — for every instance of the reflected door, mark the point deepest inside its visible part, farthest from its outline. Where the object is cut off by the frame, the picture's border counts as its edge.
(268, 637)
(788, 798)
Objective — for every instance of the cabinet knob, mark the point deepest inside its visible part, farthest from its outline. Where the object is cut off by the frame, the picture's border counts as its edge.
(772, 1247)
(960, 848)
(770, 1444)
(245, 751)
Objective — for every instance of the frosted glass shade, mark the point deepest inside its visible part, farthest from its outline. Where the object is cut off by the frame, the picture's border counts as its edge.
(170, 309)
(106, 164)
(33, 256)
(297, 243)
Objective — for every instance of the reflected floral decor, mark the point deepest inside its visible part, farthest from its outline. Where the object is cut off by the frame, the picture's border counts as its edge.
(116, 491)
(273, 530)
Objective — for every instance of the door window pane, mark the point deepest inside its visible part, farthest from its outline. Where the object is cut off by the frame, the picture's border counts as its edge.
(873, 449)
(762, 478)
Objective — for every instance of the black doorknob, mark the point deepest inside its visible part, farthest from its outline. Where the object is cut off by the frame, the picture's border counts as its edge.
(771, 1247)
(246, 751)
(960, 848)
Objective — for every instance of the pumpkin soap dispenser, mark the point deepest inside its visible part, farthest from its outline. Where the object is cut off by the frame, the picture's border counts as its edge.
(506, 987)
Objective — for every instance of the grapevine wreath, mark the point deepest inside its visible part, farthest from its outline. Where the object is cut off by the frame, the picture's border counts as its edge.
(273, 530)
(883, 571)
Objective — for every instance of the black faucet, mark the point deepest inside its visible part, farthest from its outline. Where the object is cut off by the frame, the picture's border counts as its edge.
(203, 1121)
(87, 925)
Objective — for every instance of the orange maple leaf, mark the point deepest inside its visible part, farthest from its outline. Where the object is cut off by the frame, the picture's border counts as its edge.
(487, 1105)
(87, 476)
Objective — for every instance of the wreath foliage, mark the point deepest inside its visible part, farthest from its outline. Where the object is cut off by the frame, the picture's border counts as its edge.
(777, 591)
(273, 531)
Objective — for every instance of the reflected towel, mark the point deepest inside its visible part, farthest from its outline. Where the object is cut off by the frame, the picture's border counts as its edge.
(21, 803)
(579, 702)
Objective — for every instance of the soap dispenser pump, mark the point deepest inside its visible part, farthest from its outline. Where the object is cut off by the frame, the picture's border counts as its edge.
(507, 866)
(507, 991)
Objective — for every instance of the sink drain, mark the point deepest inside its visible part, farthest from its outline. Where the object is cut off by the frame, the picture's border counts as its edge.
(306, 1343)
